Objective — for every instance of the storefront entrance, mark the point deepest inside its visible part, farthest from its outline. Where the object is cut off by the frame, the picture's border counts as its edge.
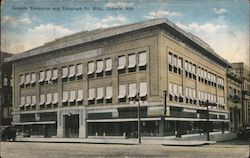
(72, 126)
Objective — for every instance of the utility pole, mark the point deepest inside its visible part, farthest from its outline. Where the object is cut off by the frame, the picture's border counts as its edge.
(165, 102)
(137, 99)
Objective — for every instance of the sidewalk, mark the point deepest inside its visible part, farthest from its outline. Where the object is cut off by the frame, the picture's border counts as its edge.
(131, 141)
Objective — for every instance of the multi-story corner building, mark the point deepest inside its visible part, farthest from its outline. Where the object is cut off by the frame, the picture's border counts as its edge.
(85, 84)
(5, 90)
(243, 71)
(234, 100)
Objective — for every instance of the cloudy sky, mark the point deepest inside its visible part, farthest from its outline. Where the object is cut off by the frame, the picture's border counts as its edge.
(223, 24)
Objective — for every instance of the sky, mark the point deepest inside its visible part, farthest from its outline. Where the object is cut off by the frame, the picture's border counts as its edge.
(223, 24)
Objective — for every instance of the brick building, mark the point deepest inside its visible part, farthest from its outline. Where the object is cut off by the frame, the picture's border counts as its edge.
(85, 84)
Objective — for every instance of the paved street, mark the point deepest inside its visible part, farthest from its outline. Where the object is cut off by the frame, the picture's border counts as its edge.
(76, 150)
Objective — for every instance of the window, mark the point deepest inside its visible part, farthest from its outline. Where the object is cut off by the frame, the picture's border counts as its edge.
(108, 92)
(79, 70)
(142, 60)
(122, 91)
(180, 90)
(91, 68)
(55, 98)
(54, 74)
(202, 73)
(27, 79)
(179, 62)
(33, 102)
(190, 93)
(209, 76)
(193, 69)
(33, 78)
(99, 66)
(79, 95)
(189, 67)
(42, 99)
(100, 93)
(65, 72)
(41, 76)
(22, 102)
(143, 89)
(65, 97)
(5, 81)
(132, 90)
(186, 65)
(49, 99)
(174, 60)
(131, 61)
(175, 89)
(170, 88)
(72, 71)
(21, 80)
(48, 75)
(205, 74)
(108, 64)
(28, 100)
(194, 93)
(72, 96)
(121, 62)
(91, 94)
(6, 112)
(169, 58)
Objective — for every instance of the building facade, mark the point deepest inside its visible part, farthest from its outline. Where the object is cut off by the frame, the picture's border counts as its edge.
(5, 90)
(242, 70)
(234, 100)
(86, 84)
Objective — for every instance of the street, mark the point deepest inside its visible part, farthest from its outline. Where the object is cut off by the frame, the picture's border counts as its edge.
(231, 149)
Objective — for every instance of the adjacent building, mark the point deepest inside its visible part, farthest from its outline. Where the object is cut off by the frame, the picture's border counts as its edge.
(5, 90)
(86, 84)
(242, 70)
(234, 100)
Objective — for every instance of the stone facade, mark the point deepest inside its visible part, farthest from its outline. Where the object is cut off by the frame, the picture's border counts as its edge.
(91, 80)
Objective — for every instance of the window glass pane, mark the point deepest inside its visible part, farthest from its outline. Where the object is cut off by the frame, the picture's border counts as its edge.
(122, 91)
(28, 100)
(175, 89)
(99, 66)
(55, 74)
(27, 78)
(91, 67)
(174, 60)
(121, 62)
(21, 79)
(193, 69)
(186, 65)
(72, 70)
(108, 92)
(79, 95)
(55, 98)
(169, 58)
(170, 88)
(131, 60)
(91, 93)
(72, 96)
(179, 62)
(189, 67)
(42, 98)
(194, 93)
(79, 69)
(100, 93)
(33, 99)
(132, 89)
(180, 90)
(65, 96)
(49, 98)
(42, 76)
(142, 59)
(108, 64)
(64, 72)
(143, 89)
(33, 77)
(48, 75)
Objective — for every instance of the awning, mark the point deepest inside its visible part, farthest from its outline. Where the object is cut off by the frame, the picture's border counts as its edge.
(33, 123)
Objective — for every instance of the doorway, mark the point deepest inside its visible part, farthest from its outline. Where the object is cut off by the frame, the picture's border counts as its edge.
(72, 126)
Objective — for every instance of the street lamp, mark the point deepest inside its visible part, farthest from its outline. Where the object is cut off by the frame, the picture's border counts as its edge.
(137, 99)
(207, 104)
